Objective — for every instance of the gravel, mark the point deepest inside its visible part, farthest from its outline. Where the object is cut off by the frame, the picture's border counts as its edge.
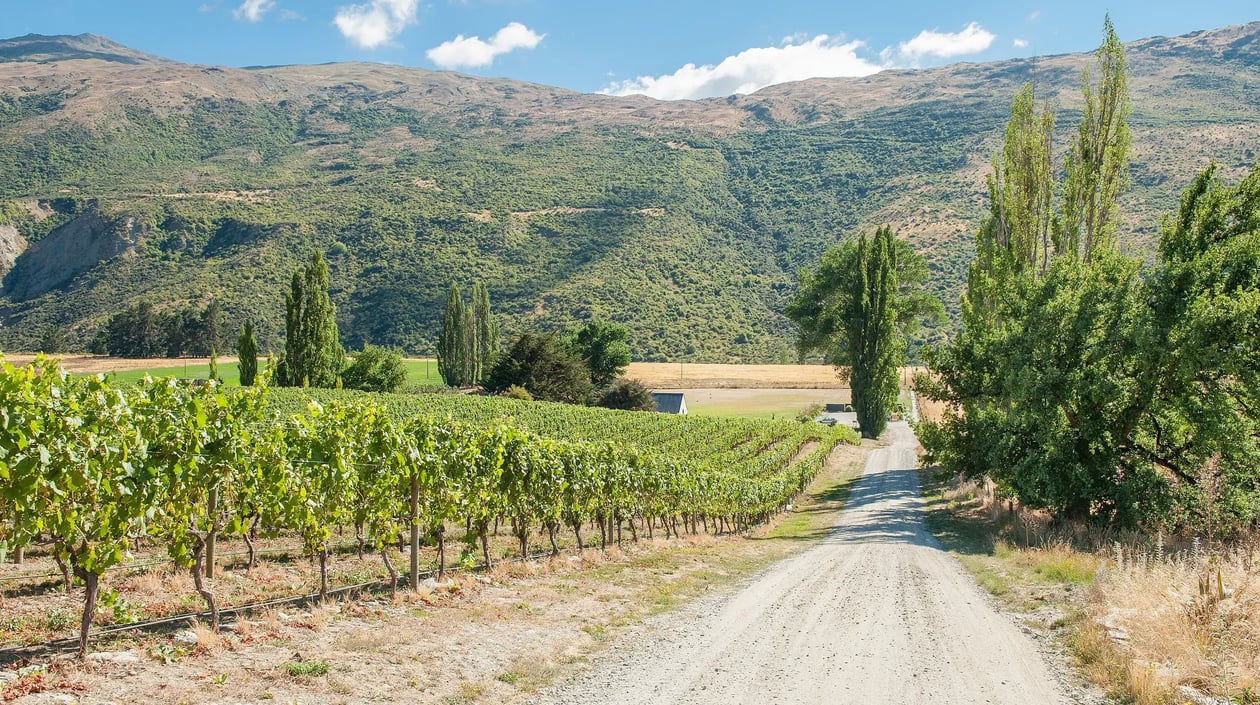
(875, 613)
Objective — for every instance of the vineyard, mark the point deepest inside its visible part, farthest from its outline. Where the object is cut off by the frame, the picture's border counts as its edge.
(101, 477)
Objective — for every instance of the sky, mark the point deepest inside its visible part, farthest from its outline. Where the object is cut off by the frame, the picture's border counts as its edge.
(669, 49)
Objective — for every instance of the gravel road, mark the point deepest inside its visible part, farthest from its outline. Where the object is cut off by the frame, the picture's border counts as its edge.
(875, 613)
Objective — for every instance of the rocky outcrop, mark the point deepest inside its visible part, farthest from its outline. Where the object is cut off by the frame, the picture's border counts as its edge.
(12, 245)
(69, 251)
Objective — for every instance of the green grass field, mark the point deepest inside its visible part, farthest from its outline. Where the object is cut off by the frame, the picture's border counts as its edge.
(419, 372)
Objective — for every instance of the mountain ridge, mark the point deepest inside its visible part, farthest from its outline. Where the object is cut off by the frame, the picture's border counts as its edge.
(684, 220)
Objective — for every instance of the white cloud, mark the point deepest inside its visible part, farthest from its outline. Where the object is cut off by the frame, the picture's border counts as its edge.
(253, 10)
(753, 69)
(1036, 15)
(1019, 43)
(473, 52)
(376, 22)
(971, 39)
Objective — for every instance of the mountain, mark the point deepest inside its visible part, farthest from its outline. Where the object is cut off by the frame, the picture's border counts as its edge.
(127, 177)
(36, 47)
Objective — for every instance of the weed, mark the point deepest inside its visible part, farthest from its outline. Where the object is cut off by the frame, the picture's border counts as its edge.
(511, 677)
(1064, 568)
(299, 669)
(206, 637)
(598, 632)
(57, 620)
(167, 653)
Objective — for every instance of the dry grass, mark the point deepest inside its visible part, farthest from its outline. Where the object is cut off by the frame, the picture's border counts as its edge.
(1187, 619)
(207, 638)
(1147, 619)
(668, 375)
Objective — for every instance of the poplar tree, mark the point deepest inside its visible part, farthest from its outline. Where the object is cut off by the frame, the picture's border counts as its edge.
(856, 308)
(1021, 187)
(1052, 382)
(247, 355)
(313, 355)
(1097, 163)
(453, 347)
(486, 333)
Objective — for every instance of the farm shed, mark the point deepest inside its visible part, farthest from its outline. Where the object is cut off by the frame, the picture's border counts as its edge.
(670, 402)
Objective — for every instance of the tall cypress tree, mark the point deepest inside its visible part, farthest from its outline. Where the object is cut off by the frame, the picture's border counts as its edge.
(486, 333)
(288, 371)
(247, 355)
(313, 355)
(452, 346)
(869, 320)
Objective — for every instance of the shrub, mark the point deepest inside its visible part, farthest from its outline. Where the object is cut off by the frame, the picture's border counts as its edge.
(375, 369)
(627, 394)
(548, 370)
(515, 392)
(809, 413)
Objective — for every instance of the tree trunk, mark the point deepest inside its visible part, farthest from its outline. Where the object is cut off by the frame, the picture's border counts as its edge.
(200, 547)
(483, 530)
(551, 536)
(577, 533)
(92, 582)
(358, 537)
(249, 545)
(323, 574)
(18, 555)
(440, 532)
(393, 574)
(67, 581)
(413, 567)
(212, 512)
(522, 534)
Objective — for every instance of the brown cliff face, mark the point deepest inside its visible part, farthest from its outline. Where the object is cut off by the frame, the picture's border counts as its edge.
(67, 252)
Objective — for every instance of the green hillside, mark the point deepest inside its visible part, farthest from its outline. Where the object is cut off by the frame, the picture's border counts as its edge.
(128, 177)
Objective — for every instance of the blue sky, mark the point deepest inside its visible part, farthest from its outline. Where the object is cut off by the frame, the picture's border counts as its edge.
(665, 48)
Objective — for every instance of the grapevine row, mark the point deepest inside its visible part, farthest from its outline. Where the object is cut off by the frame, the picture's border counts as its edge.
(90, 467)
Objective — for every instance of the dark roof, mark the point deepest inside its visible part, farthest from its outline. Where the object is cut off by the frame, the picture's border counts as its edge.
(668, 402)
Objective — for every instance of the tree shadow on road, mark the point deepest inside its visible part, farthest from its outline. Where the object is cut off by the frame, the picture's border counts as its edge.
(954, 530)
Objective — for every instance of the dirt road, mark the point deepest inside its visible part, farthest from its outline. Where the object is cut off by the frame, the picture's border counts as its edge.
(876, 613)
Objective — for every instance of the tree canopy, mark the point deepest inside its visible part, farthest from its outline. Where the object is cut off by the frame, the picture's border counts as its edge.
(542, 366)
(1088, 382)
(857, 308)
